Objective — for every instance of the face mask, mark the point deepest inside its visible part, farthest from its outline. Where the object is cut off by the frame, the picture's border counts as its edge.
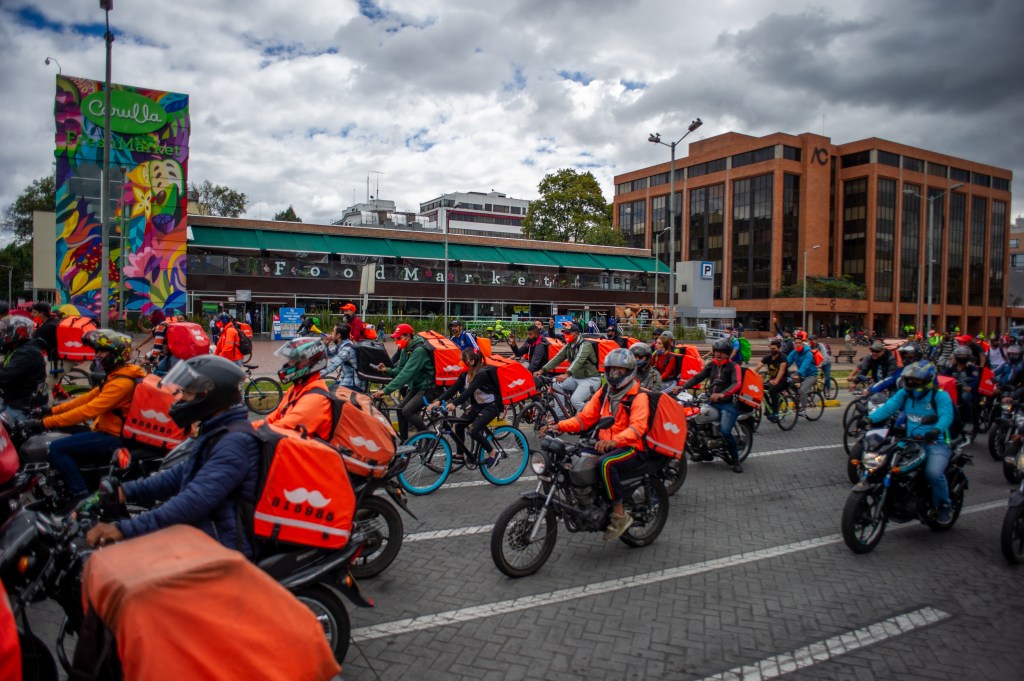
(401, 343)
(720, 360)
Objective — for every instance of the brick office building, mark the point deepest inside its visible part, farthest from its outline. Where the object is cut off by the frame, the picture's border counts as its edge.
(758, 207)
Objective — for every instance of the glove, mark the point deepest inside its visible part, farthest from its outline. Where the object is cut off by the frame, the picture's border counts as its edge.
(932, 435)
(32, 425)
(41, 412)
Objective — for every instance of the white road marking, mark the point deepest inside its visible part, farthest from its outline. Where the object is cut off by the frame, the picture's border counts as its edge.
(822, 651)
(475, 612)
(447, 534)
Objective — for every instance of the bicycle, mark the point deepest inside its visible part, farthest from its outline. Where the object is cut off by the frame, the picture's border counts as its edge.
(261, 394)
(543, 409)
(830, 391)
(432, 462)
(784, 412)
(815, 400)
(69, 383)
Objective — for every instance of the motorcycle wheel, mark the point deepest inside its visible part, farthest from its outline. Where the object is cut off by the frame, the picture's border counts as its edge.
(853, 471)
(37, 663)
(511, 551)
(673, 475)
(861, 531)
(650, 502)
(1012, 537)
(429, 465)
(997, 442)
(852, 435)
(331, 613)
(385, 524)
(957, 500)
(1011, 473)
(985, 415)
(744, 439)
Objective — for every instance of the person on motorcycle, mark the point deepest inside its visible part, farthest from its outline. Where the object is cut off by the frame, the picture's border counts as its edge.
(879, 364)
(920, 398)
(623, 444)
(977, 353)
(227, 343)
(1012, 367)
(612, 333)
(724, 381)
(802, 359)
(464, 339)
(968, 377)
(344, 357)
(106, 406)
(309, 326)
(220, 477)
(581, 379)
(357, 328)
(23, 367)
(645, 372)
(775, 366)
(667, 361)
(414, 369)
(305, 408)
(478, 386)
(534, 348)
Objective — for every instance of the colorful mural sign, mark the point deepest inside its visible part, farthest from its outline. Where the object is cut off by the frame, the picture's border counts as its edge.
(148, 196)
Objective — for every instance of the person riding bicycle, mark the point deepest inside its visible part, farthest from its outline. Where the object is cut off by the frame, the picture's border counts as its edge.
(645, 372)
(464, 339)
(622, 445)
(305, 408)
(228, 342)
(879, 364)
(802, 359)
(534, 348)
(344, 357)
(977, 353)
(826, 359)
(309, 326)
(724, 379)
(667, 361)
(478, 386)
(23, 367)
(968, 377)
(414, 369)
(581, 379)
(775, 366)
(920, 398)
(219, 478)
(106, 406)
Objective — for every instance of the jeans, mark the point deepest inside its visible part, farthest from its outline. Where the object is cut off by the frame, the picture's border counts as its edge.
(729, 413)
(580, 390)
(479, 415)
(826, 369)
(935, 471)
(95, 447)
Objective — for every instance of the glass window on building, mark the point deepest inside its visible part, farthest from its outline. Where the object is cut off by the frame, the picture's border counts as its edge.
(938, 170)
(1001, 183)
(756, 156)
(707, 223)
(976, 257)
(913, 164)
(751, 262)
(791, 153)
(997, 253)
(885, 239)
(707, 168)
(981, 179)
(888, 158)
(631, 223)
(959, 175)
(957, 231)
(659, 179)
(937, 206)
(790, 227)
(910, 245)
(856, 159)
(855, 228)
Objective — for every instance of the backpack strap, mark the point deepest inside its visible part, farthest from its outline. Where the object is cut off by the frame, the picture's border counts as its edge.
(336, 404)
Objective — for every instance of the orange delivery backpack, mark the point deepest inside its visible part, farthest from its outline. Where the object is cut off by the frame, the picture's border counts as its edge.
(987, 385)
(361, 433)
(948, 383)
(666, 423)
(447, 357)
(515, 380)
(555, 346)
(186, 340)
(148, 421)
(752, 392)
(603, 344)
(69, 339)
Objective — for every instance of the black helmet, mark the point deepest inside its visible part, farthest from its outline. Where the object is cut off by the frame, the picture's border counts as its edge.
(619, 368)
(212, 384)
(910, 353)
(722, 345)
(962, 353)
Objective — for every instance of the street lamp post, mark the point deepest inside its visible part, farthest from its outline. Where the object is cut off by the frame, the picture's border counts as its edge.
(106, 6)
(657, 263)
(928, 241)
(803, 324)
(655, 138)
(445, 220)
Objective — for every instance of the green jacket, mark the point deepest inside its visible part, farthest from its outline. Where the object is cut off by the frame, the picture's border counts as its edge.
(582, 356)
(415, 367)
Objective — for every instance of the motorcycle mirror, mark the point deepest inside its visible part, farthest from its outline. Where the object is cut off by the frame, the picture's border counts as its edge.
(123, 458)
(604, 423)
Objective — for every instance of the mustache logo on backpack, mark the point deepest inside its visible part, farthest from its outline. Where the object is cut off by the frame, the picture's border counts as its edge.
(516, 383)
(672, 427)
(155, 416)
(301, 496)
(453, 368)
(360, 441)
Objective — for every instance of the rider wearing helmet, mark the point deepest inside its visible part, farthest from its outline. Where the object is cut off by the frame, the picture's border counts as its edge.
(1011, 373)
(306, 407)
(105, 405)
(622, 444)
(415, 369)
(968, 377)
(611, 332)
(309, 326)
(478, 387)
(228, 342)
(803, 360)
(464, 339)
(23, 367)
(645, 372)
(221, 474)
(918, 400)
(724, 380)
(582, 378)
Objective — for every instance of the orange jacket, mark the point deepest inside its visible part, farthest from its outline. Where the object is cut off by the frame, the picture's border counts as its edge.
(227, 344)
(106, 405)
(303, 412)
(630, 425)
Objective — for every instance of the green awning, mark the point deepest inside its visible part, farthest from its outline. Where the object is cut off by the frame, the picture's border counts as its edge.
(293, 242)
(219, 237)
(468, 253)
(526, 256)
(649, 265)
(422, 250)
(579, 261)
(357, 245)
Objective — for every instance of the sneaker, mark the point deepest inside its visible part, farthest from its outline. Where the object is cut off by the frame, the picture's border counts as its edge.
(491, 459)
(772, 418)
(944, 514)
(737, 467)
(618, 525)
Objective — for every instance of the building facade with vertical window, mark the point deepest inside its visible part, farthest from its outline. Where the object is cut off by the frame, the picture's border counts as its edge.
(857, 214)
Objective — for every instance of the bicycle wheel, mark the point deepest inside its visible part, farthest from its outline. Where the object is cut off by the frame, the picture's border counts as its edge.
(815, 406)
(429, 465)
(389, 410)
(262, 395)
(510, 456)
(854, 410)
(832, 389)
(786, 414)
(532, 416)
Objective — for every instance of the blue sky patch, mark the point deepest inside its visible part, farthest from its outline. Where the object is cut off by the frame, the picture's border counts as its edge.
(576, 77)
(633, 84)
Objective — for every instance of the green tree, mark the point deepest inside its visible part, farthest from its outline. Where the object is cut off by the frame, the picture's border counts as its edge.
(17, 257)
(18, 216)
(288, 215)
(571, 207)
(213, 199)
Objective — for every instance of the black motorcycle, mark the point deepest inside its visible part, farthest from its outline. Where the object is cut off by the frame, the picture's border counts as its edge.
(893, 487)
(569, 490)
(704, 441)
(1000, 438)
(1012, 536)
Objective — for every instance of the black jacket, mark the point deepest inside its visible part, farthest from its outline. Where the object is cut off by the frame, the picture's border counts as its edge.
(537, 353)
(21, 372)
(485, 381)
(47, 332)
(726, 379)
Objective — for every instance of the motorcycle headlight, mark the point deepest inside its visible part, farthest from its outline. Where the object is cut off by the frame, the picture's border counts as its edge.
(537, 463)
(873, 460)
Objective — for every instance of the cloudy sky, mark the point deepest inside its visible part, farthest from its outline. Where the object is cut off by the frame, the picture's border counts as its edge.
(300, 102)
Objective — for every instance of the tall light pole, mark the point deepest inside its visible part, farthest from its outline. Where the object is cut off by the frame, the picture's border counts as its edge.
(657, 266)
(655, 137)
(803, 324)
(443, 213)
(108, 37)
(928, 246)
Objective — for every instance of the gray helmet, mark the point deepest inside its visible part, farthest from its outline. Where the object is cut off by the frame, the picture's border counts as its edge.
(963, 353)
(643, 353)
(619, 368)
(910, 353)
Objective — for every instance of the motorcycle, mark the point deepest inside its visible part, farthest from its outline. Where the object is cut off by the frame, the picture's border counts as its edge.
(569, 490)
(378, 518)
(988, 410)
(704, 440)
(1010, 420)
(857, 430)
(893, 487)
(1012, 535)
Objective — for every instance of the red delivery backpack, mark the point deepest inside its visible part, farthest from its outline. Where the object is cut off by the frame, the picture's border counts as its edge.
(692, 365)
(987, 386)
(752, 391)
(9, 460)
(485, 346)
(666, 423)
(515, 380)
(555, 346)
(447, 357)
(186, 340)
(603, 345)
(148, 421)
(69, 339)
(948, 383)
(361, 433)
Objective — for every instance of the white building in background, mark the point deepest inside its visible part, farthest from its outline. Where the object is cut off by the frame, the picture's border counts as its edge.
(383, 213)
(477, 213)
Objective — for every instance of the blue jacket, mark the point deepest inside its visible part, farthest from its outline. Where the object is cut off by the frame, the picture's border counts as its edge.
(934, 402)
(803, 361)
(202, 490)
(886, 383)
(465, 341)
